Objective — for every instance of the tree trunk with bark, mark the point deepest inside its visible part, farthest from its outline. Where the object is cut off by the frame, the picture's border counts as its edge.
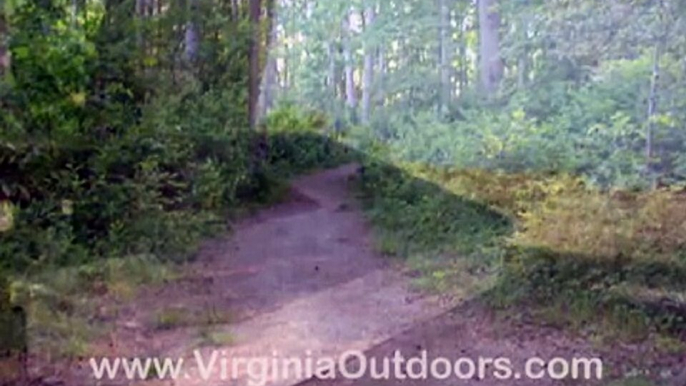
(270, 80)
(191, 37)
(491, 67)
(381, 77)
(653, 97)
(464, 61)
(368, 73)
(254, 62)
(141, 6)
(4, 44)
(331, 74)
(523, 60)
(444, 59)
(350, 96)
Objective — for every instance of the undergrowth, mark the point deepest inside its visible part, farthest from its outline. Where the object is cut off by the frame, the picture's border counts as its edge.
(67, 308)
(607, 264)
(61, 259)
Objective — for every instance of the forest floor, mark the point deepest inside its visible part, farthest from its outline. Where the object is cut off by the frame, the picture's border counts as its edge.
(302, 278)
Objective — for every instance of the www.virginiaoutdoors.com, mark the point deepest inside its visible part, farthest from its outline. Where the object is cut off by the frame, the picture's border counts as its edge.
(258, 371)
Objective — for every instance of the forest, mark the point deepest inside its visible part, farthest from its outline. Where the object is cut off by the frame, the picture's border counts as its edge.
(528, 153)
(565, 119)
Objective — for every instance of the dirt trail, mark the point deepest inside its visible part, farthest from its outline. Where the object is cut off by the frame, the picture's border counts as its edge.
(301, 279)
(314, 286)
(298, 279)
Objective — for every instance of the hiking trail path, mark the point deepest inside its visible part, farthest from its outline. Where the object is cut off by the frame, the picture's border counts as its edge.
(302, 279)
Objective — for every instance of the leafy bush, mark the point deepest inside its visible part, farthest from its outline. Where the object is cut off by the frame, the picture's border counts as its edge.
(99, 157)
(595, 129)
(422, 215)
(551, 241)
(132, 193)
(300, 141)
(646, 226)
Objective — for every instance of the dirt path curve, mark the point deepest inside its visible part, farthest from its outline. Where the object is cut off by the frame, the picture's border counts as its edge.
(301, 280)
(314, 286)
(296, 280)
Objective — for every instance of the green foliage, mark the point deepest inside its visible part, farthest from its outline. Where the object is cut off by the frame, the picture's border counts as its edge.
(596, 130)
(118, 155)
(113, 145)
(63, 312)
(134, 193)
(421, 216)
(104, 152)
(174, 317)
(623, 252)
(573, 255)
(574, 97)
(299, 141)
(13, 336)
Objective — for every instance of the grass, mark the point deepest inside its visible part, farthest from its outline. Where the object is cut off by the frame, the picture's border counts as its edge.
(68, 308)
(449, 274)
(214, 337)
(444, 238)
(64, 305)
(633, 382)
(606, 265)
(172, 317)
(177, 317)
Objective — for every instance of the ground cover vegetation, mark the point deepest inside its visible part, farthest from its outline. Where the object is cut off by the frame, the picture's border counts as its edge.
(536, 143)
(531, 148)
(128, 132)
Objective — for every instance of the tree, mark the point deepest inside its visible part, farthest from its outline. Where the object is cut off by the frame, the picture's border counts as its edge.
(4, 37)
(331, 77)
(660, 39)
(350, 92)
(254, 62)
(368, 71)
(141, 11)
(269, 83)
(445, 55)
(191, 36)
(464, 26)
(491, 67)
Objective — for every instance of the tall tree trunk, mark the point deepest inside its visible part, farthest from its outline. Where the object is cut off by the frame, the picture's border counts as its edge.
(234, 10)
(464, 61)
(332, 81)
(331, 75)
(351, 98)
(489, 46)
(141, 6)
(652, 111)
(342, 84)
(4, 42)
(254, 62)
(270, 76)
(445, 59)
(653, 97)
(74, 12)
(381, 77)
(368, 74)
(191, 37)
(522, 71)
(523, 60)
(286, 75)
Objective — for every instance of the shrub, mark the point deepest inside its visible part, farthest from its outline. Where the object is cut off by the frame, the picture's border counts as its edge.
(423, 215)
(300, 141)
(553, 242)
